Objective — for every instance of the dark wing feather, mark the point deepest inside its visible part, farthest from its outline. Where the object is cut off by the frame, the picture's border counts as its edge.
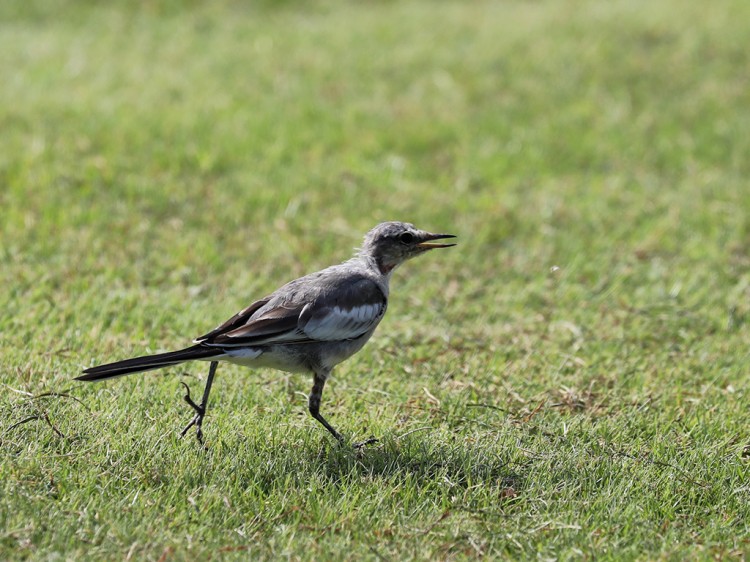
(236, 321)
(340, 308)
(276, 325)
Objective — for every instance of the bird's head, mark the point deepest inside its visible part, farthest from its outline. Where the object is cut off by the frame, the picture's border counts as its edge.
(391, 243)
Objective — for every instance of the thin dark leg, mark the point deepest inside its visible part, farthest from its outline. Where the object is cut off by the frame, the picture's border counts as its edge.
(313, 404)
(200, 410)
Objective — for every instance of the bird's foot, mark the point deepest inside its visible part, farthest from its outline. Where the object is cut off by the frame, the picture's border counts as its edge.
(362, 444)
(197, 421)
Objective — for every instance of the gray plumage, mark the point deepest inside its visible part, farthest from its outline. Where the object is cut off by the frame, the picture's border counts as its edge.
(310, 324)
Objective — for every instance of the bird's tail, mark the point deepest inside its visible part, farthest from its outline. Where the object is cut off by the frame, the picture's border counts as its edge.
(148, 362)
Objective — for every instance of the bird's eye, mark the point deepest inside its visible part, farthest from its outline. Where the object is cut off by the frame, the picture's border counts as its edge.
(406, 238)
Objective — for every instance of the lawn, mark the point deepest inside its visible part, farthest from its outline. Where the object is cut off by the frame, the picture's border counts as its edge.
(569, 382)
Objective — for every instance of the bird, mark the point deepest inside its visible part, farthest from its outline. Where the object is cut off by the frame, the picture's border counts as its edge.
(309, 325)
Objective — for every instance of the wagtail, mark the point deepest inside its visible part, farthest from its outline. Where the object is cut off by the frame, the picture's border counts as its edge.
(310, 324)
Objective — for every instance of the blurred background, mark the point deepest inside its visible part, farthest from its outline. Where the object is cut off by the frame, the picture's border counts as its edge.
(167, 155)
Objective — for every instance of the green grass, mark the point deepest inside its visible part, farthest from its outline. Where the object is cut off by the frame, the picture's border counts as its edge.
(571, 382)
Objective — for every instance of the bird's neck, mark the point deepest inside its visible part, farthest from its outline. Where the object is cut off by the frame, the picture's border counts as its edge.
(383, 270)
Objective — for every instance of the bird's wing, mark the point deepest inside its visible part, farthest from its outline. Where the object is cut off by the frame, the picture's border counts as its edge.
(342, 310)
(239, 319)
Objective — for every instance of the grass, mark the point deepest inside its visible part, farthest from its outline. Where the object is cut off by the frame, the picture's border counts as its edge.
(570, 383)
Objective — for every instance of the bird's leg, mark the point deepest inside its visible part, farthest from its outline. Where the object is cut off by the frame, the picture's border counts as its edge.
(313, 404)
(200, 409)
(319, 382)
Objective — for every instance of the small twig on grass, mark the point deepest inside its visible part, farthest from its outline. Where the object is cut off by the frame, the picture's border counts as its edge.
(43, 416)
(50, 394)
(489, 406)
(398, 438)
(61, 395)
(527, 417)
(18, 391)
(49, 422)
(443, 517)
(237, 548)
(555, 526)
(23, 421)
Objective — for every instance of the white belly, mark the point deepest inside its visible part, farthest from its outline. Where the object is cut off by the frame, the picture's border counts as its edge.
(265, 357)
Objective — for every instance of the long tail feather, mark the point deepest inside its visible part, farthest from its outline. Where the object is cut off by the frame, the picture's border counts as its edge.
(147, 363)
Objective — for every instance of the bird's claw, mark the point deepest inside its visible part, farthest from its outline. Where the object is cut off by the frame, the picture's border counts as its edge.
(362, 444)
(199, 409)
(197, 420)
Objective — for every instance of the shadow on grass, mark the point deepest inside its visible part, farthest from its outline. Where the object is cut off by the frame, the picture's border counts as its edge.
(422, 462)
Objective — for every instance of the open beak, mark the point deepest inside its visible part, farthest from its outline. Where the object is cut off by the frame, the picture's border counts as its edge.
(428, 243)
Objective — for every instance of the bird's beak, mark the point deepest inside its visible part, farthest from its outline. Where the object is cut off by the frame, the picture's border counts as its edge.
(428, 243)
